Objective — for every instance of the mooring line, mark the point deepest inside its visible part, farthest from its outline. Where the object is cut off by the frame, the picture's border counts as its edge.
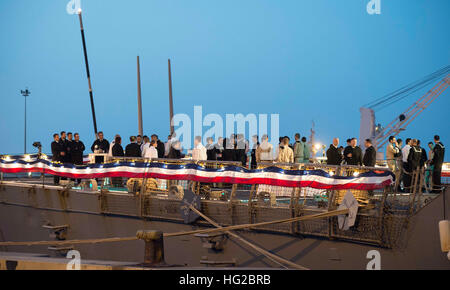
(277, 259)
(176, 234)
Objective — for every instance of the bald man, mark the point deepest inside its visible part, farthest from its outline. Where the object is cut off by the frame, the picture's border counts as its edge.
(334, 156)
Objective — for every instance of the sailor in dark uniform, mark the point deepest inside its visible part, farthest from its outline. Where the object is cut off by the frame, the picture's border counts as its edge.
(219, 148)
(76, 151)
(415, 160)
(211, 151)
(353, 155)
(117, 150)
(348, 150)
(241, 149)
(63, 142)
(424, 158)
(68, 147)
(133, 149)
(254, 164)
(100, 145)
(56, 154)
(334, 156)
(228, 153)
(436, 161)
(64, 150)
(370, 156)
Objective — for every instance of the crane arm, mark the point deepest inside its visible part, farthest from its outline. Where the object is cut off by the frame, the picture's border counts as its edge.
(399, 124)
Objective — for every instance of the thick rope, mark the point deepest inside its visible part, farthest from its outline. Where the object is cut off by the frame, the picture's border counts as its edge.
(175, 234)
(69, 242)
(279, 260)
(245, 226)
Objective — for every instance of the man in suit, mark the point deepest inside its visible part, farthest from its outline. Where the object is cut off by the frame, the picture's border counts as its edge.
(133, 149)
(370, 156)
(159, 146)
(76, 151)
(334, 156)
(57, 148)
(100, 145)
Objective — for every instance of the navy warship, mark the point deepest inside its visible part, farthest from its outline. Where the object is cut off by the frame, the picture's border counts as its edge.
(197, 214)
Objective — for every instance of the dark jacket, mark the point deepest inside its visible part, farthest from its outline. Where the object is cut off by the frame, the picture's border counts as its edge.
(424, 155)
(76, 152)
(117, 150)
(68, 157)
(104, 145)
(370, 157)
(175, 153)
(253, 163)
(438, 155)
(334, 156)
(211, 152)
(57, 147)
(133, 150)
(228, 154)
(241, 147)
(64, 146)
(356, 158)
(161, 149)
(415, 157)
(347, 150)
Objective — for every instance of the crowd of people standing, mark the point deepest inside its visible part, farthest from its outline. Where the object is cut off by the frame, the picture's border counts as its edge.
(68, 148)
(403, 160)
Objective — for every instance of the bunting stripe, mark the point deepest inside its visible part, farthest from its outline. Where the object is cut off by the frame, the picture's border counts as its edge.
(273, 175)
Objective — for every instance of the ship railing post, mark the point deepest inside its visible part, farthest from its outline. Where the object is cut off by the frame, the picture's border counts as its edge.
(154, 247)
(381, 215)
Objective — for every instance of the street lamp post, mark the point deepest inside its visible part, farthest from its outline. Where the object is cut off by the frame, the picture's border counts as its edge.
(25, 93)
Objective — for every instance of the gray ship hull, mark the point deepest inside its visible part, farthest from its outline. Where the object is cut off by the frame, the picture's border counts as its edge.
(25, 209)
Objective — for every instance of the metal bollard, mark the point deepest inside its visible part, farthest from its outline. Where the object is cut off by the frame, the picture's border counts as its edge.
(154, 247)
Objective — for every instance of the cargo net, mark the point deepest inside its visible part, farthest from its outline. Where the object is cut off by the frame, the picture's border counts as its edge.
(382, 215)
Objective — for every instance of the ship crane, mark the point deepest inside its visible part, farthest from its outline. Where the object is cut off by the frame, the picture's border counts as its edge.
(379, 134)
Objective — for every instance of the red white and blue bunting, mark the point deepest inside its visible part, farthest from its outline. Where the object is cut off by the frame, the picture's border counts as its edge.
(273, 175)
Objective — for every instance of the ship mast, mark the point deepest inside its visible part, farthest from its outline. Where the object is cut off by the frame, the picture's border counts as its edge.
(141, 130)
(87, 72)
(170, 99)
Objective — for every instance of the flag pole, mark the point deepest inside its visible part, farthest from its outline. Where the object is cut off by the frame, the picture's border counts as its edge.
(170, 99)
(87, 72)
(141, 130)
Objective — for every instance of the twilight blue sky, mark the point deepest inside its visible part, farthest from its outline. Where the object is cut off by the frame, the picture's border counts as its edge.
(303, 59)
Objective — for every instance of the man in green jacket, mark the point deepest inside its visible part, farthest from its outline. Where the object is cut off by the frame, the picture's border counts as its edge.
(306, 154)
(298, 149)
